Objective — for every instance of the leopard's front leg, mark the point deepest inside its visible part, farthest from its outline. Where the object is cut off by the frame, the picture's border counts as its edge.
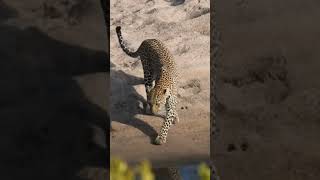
(171, 117)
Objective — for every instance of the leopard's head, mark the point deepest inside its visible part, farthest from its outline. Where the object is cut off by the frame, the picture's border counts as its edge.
(158, 96)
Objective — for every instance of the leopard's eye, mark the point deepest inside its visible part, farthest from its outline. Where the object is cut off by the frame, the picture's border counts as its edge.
(164, 91)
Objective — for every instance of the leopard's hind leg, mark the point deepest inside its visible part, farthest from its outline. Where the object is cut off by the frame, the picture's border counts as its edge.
(148, 83)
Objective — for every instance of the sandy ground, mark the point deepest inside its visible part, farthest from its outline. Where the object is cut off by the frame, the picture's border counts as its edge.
(269, 90)
(53, 90)
(185, 29)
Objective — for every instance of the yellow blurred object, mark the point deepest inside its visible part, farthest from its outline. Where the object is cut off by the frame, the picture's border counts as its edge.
(119, 170)
(145, 171)
(204, 172)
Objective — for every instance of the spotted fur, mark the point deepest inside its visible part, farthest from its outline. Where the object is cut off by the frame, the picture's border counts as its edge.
(160, 79)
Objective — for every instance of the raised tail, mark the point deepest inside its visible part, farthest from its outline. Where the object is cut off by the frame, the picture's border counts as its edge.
(123, 47)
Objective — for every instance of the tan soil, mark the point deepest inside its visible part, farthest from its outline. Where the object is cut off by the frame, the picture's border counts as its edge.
(269, 90)
(185, 30)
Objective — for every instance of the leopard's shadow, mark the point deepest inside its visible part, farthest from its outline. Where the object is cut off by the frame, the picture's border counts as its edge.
(46, 119)
(127, 102)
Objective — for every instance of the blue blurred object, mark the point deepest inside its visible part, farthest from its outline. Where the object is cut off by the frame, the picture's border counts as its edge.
(189, 172)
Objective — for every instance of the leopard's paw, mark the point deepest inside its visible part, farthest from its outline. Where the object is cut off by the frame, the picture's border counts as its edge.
(160, 141)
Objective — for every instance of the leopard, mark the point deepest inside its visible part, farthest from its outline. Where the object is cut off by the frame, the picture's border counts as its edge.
(160, 80)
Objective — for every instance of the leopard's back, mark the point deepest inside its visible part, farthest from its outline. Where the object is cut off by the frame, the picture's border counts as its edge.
(157, 55)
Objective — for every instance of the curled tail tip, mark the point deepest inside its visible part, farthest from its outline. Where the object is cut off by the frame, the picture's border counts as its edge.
(118, 29)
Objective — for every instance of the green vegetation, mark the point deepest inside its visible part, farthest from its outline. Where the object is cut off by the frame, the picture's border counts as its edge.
(119, 170)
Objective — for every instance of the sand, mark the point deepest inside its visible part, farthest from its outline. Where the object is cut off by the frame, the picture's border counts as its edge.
(53, 90)
(268, 88)
(267, 85)
(185, 29)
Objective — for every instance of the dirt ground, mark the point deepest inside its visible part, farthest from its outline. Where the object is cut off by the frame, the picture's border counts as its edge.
(54, 104)
(268, 87)
(53, 90)
(186, 32)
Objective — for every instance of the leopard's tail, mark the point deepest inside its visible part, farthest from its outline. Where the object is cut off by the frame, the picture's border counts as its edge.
(122, 45)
